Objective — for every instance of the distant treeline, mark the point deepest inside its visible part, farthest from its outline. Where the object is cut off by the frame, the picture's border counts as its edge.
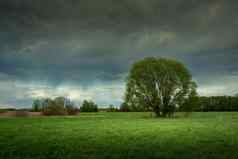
(217, 103)
(202, 104)
(61, 105)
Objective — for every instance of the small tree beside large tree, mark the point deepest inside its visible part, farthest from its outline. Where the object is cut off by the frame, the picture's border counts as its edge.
(160, 85)
(89, 106)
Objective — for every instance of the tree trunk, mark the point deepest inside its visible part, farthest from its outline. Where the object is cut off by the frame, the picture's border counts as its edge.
(157, 111)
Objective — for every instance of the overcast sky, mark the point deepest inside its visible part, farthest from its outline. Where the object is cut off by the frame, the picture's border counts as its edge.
(83, 49)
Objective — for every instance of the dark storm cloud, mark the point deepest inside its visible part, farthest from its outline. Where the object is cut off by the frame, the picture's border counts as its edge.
(81, 42)
(57, 18)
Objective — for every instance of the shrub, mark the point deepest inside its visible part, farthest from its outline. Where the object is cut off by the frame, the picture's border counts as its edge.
(71, 110)
(54, 108)
(57, 106)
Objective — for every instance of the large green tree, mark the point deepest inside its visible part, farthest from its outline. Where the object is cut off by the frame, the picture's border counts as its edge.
(159, 84)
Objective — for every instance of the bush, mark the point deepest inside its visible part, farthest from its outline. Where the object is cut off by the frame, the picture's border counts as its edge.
(71, 110)
(88, 106)
(57, 106)
(53, 108)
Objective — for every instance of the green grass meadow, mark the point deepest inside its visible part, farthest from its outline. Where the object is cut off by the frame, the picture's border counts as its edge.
(120, 135)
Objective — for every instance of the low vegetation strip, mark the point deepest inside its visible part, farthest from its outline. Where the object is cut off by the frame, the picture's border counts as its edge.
(120, 135)
(20, 114)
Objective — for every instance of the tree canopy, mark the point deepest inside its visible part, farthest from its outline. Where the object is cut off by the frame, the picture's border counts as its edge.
(159, 84)
(57, 106)
(89, 106)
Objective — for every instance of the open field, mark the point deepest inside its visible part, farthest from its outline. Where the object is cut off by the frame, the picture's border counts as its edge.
(120, 135)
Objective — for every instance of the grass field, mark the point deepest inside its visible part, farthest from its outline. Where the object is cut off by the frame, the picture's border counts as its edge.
(120, 135)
